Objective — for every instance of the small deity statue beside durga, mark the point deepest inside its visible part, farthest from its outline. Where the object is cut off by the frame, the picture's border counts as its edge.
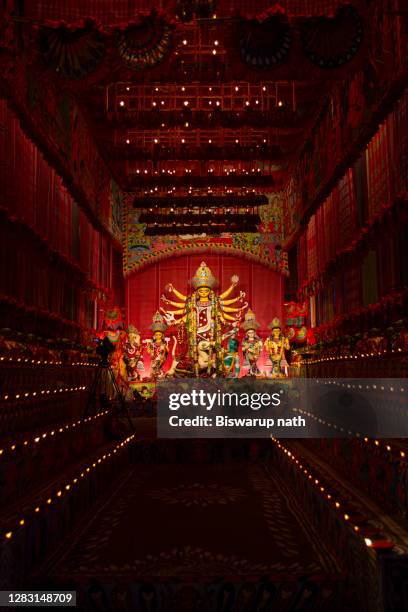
(200, 334)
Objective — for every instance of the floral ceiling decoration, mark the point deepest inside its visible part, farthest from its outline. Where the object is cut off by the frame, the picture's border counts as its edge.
(266, 41)
(73, 52)
(146, 42)
(332, 42)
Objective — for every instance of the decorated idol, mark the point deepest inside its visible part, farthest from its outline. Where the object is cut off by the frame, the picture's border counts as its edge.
(231, 358)
(204, 320)
(132, 353)
(276, 345)
(251, 344)
(158, 348)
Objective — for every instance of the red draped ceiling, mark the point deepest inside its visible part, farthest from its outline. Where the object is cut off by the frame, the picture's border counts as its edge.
(263, 288)
(107, 11)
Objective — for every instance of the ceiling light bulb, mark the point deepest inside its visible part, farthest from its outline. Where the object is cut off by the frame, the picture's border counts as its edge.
(236, 88)
(122, 103)
(217, 102)
(216, 43)
(184, 42)
(247, 103)
(127, 140)
(214, 51)
(280, 103)
(156, 141)
(183, 141)
(154, 104)
(186, 124)
(236, 141)
(185, 102)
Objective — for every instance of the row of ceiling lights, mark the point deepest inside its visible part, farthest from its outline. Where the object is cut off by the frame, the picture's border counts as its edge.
(190, 189)
(210, 170)
(236, 88)
(279, 103)
(183, 140)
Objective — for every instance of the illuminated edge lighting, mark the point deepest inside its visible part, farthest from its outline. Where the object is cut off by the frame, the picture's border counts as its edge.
(328, 496)
(9, 534)
(46, 361)
(52, 432)
(27, 394)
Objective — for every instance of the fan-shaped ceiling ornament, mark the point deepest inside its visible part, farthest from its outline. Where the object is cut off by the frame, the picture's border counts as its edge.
(331, 42)
(145, 43)
(72, 53)
(265, 43)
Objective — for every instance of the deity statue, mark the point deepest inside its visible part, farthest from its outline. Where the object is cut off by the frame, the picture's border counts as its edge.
(231, 358)
(276, 345)
(205, 320)
(157, 347)
(132, 353)
(251, 344)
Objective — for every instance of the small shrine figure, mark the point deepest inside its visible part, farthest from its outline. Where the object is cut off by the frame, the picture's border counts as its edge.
(251, 344)
(231, 358)
(132, 354)
(276, 345)
(157, 347)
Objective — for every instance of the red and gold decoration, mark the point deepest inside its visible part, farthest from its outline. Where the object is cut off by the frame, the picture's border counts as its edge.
(132, 354)
(331, 42)
(145, 43)
(157, 347)
(276, 345)
(266, 42)
(205, 318)
(72, 52)
(251, 344)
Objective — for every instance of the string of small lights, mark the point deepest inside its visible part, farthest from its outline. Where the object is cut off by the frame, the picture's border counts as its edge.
(346, 510)
(26, 395)
(32, 443)
(351, 357)
(363, 387)
(66, 488)
(379, 444)
(30, 361)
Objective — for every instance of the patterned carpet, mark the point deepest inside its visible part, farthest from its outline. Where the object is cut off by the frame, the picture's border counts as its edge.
(194, 520)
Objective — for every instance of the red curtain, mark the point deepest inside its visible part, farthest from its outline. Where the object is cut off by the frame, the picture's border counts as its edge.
(48, 221)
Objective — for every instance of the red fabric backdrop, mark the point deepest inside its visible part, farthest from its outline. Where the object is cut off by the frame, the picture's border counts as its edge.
(263, 288)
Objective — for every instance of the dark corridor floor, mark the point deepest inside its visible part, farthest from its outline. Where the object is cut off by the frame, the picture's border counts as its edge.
(234, 523)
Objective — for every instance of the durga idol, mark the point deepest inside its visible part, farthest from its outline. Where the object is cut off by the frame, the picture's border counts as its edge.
(205, 319)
